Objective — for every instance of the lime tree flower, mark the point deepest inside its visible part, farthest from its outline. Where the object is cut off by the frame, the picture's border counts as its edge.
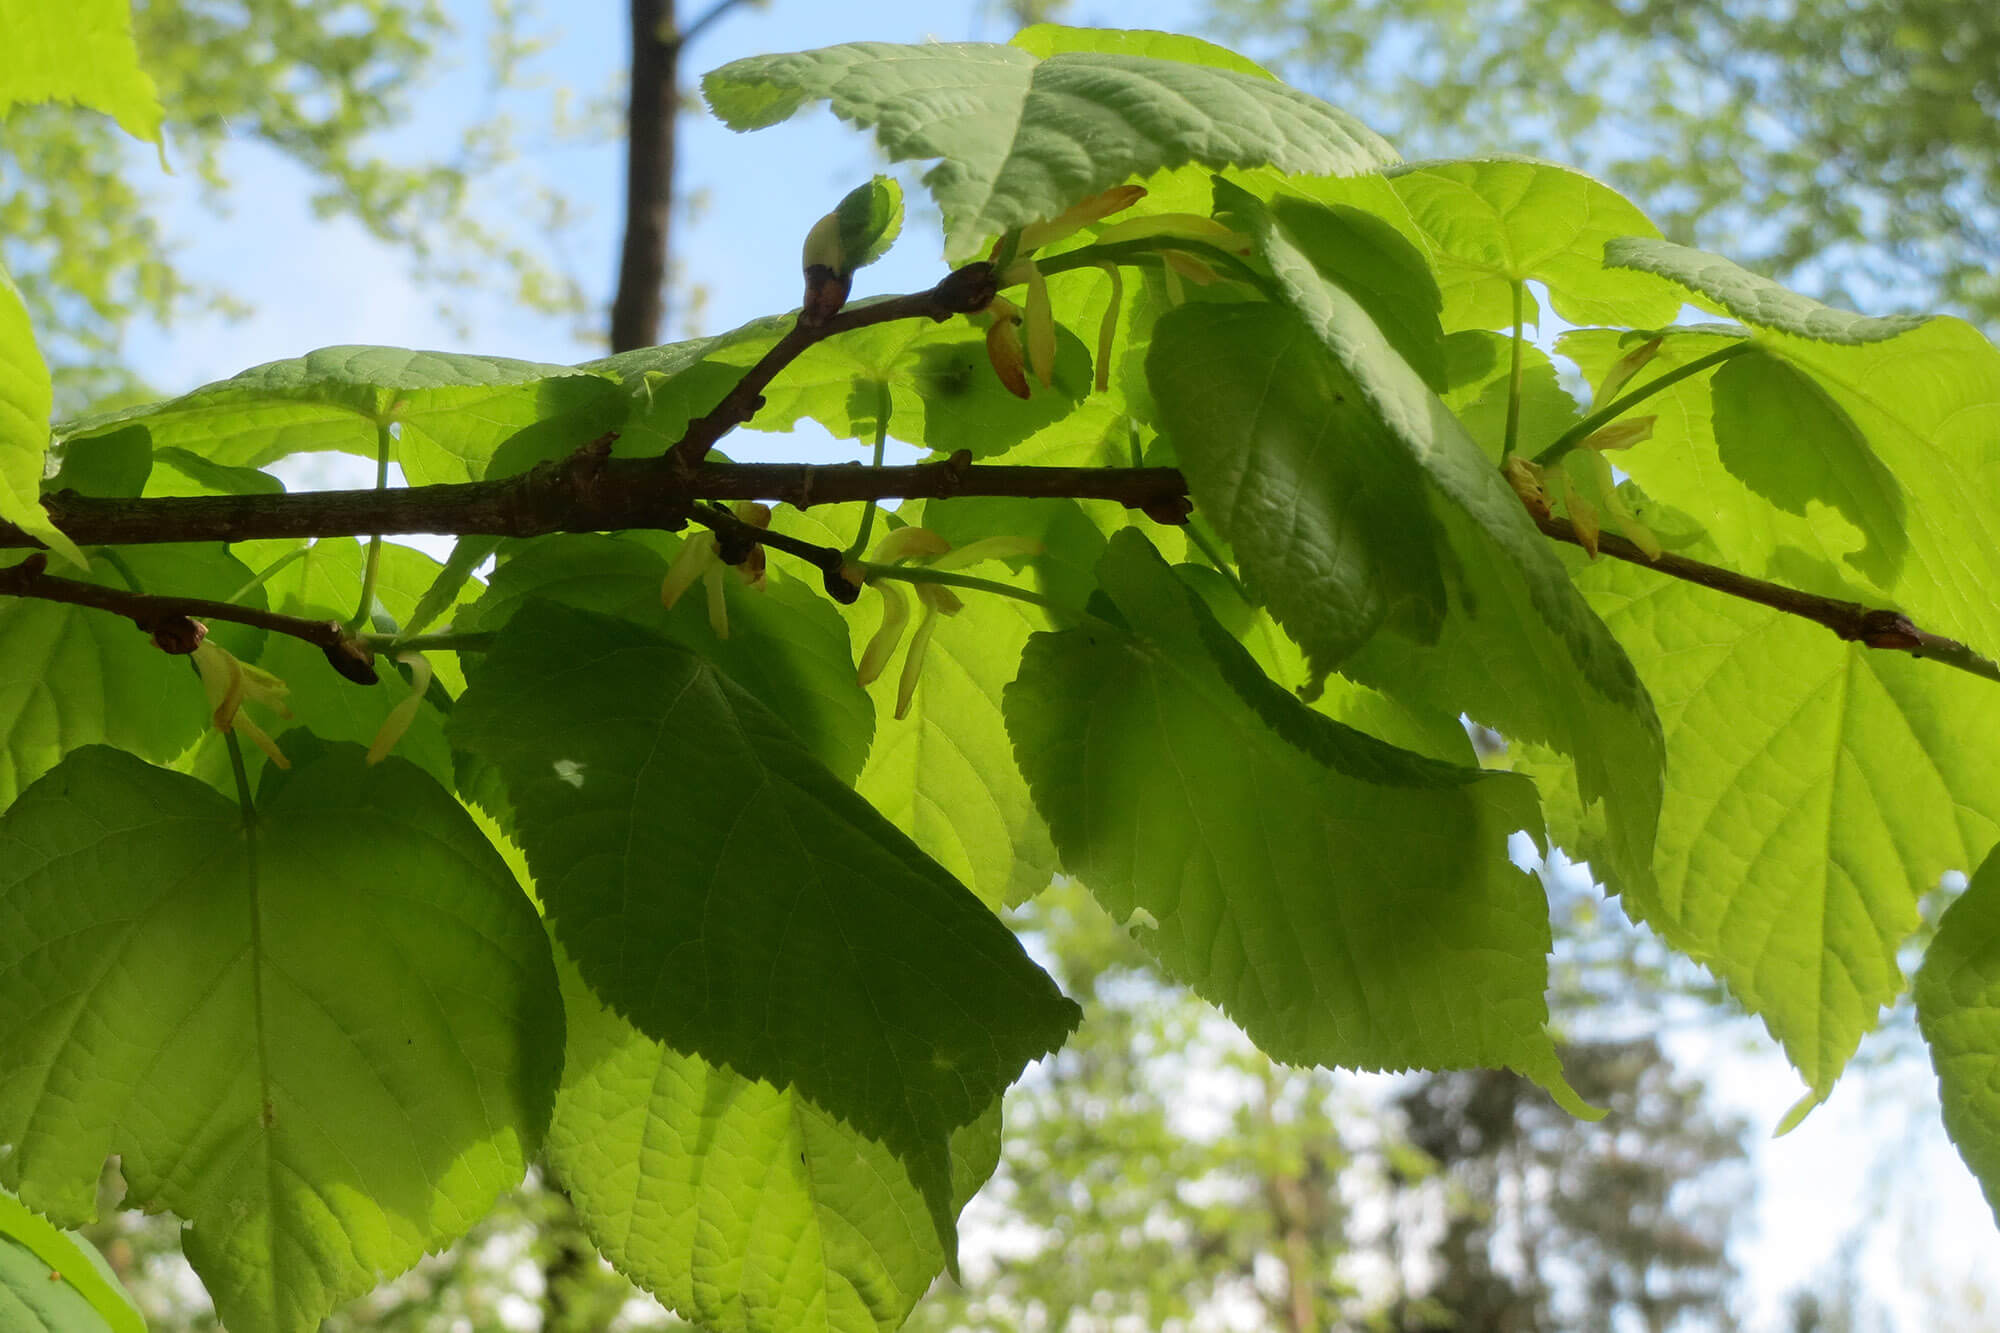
(937, 554)
(405, 712)
(1008, 326)
(700, 558)
(229, 684)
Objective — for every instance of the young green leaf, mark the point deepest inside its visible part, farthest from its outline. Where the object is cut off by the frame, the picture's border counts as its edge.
(741, 1206)
(787, 644)
(945, 774)
(943, 393)
(1495, 222)
(329, 1041)
(1815, 790)
(1958, 1010)
(1050, 39)
(723, 891)
(25, 398)
(1323, 505)
(453, 410)
(56, 1280)
(1785, 438)
(1903, 426)
(1346, 902)
(81, 54)
(1517, 647)
(1021, 139)
(1721, 284)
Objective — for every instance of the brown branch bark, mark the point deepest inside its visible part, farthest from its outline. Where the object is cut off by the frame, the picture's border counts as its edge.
(1877, 627)
(652, 136)
(592, 495)
(640, 305)
(170, 620)
(960, 292)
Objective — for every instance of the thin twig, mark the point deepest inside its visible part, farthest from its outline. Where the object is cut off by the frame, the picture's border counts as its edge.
(1876, 627)
(167, 619)
(960, 292)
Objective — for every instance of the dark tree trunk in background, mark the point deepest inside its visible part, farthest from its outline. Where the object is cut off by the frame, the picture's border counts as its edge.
(640, 306)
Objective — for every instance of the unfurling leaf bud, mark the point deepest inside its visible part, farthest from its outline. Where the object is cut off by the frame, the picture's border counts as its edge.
(856, 233)
(1622, 434)
(1003, 346)
(1623, 369)
(1525, 476)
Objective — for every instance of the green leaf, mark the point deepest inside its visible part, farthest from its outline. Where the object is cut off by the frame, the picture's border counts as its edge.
(1022, 139)
(25, 398)
(117, 464)
(184, 472)
(1493, 222)
(1518, 649)
(453, 410)
(1786, 439)
(1926, 404)
(329, 1043)
(71, 676)
(1478, 366)
(871, 216)
(1043, 40)
(80, 53)
(56, 1280)
(739, 1205)
(722, 890)
(1346, 902)
(1958, 1010)
(1373, 263)
(1282, 451)
(787, 644)
(1815, 790)
(1749, 297)
(30, 1302)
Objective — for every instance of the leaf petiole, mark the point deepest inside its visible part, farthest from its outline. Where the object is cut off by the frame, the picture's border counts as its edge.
(1590, 425)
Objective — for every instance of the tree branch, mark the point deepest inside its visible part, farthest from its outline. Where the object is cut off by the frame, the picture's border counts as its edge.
(586, 493)
(640, 304)
(170, 620)
(960, 292)
(1876, 627)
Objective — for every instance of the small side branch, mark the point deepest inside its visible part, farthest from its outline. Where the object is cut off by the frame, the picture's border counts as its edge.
(170, 620)
(960, 292)
(1877, 627)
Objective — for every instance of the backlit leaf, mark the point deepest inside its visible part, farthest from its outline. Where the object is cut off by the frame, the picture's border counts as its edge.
(81, 53)
(1958, 1008)
(1346, 902)
(1815, 790)
(739, 1205)
(329, 1043)
(721, 890)
(1021, 138)
(1495, 222)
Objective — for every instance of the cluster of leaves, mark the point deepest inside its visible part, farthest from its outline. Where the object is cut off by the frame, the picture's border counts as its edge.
(757, 1008)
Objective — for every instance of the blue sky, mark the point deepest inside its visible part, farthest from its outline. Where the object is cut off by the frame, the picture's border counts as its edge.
(317, 283)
